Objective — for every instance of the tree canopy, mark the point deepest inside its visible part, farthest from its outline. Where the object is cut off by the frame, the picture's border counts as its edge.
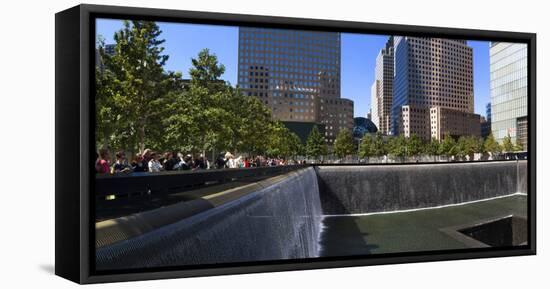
(131, 84)
(315, 144)
(491, 145)
(343, 145)
(507, 144)
(139, 104)
(366, 147)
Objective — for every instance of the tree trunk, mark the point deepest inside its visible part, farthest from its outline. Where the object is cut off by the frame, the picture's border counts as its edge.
(142, 138)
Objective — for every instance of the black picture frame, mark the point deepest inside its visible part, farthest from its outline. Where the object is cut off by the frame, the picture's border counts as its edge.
(74, 126)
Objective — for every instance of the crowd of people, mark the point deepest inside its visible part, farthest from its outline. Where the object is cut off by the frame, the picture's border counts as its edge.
(151, 161)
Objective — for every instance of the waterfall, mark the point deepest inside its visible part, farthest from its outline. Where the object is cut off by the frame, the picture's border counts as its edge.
(385, 188)
(283, 218)
(279, 221)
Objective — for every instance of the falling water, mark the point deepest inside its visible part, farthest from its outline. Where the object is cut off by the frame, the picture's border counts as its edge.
(284, 220)
(271, 224)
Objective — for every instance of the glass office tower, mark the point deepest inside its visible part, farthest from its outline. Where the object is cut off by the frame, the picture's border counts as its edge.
(296, 74)
(508, 66)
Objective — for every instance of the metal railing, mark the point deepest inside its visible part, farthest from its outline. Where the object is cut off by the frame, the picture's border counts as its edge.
(147, 184)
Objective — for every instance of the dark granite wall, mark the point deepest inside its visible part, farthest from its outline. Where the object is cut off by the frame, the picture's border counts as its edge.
(367, 189)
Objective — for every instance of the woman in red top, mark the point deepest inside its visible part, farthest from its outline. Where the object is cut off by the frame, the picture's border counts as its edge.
(102, 163)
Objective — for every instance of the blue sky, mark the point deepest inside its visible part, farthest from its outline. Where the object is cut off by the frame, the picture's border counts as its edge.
(359, 51)
(482, 93)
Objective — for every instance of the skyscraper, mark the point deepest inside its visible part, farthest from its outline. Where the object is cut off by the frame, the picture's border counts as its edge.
(109, 50)
(296, 74)
(488, 111)
(508, 66)
(433, 92)
(374, 106)
(486, 122)
(384, 87)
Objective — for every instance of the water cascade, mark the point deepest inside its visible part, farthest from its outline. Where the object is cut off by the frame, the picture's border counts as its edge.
(283, 219)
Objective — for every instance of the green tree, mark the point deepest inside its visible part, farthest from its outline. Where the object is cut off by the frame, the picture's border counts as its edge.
(109, 115)
(472, 146)
(518, 146)
(380, 146)
(252, 124)
(415, 146)
(296, 146)
(133, 87)
(480, 145)
(432, 148)
(343, 145)
(210, 115)
(398, 147)
(466, 146)
(315, 144)
(507, 144)
(447, 146)
(204, 117)
(283, 143)
(491, 145)
(366, 147)
(206, 71)
(181, 128)
(212, 98)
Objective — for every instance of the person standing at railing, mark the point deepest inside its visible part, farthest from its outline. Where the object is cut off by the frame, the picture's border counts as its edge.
(154, 164)
(205, 161)
(121, 164)
(239, 162)
(171, 161)
(138, 164)
(102, 162)
(230, 161)
(179, 159)
(186, 164)
(221, 161)
(200, 163)
(147, 155)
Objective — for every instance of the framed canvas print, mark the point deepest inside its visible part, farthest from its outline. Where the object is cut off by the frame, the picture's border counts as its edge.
(193, 144)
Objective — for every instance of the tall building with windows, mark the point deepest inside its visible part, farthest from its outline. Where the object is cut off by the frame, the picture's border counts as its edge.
(433, 78)
(454, 123)
(508, 66)
(486, 122)
(384, 87)
(296, 74)
(414, 119)
(488, 112)
(374, 108)
(109, 50)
